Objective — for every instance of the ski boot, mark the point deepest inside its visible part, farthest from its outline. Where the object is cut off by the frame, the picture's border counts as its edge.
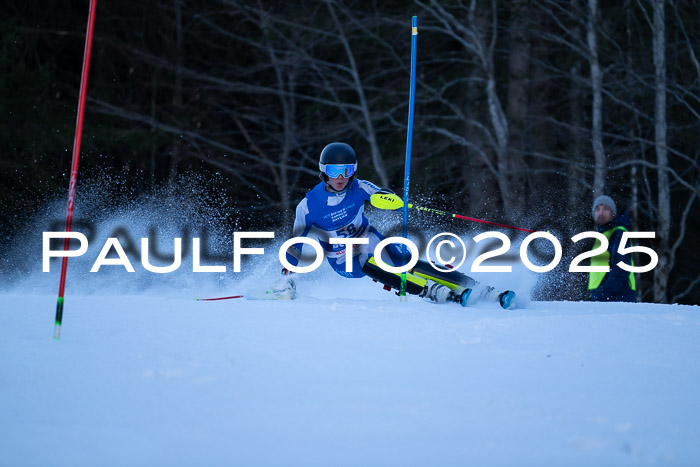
(507, 299)
(439, 293)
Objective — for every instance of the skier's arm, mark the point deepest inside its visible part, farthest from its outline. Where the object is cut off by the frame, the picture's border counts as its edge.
(302, 225)
(370, 188)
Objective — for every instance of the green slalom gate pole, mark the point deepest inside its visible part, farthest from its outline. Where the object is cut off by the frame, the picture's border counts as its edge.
(409, 138)
(74, 165)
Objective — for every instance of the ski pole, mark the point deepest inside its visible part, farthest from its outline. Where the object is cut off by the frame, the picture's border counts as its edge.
(409, 137)
(74, 164)
(392, 202)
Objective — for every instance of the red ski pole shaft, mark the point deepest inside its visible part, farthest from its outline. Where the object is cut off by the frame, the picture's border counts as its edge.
(74, 164)
(491, 223)
(218, 298)
(458, 216)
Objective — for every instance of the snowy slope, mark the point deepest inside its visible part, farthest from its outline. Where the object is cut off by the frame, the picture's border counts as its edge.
(345, 375)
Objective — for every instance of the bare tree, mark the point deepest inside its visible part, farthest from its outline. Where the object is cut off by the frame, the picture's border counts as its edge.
(663, 224)
(597, 105)
(518, 109)
(359, 88)
(577, 174)
(467, 33)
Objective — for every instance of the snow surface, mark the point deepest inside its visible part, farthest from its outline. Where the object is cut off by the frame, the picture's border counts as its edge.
(345, 375)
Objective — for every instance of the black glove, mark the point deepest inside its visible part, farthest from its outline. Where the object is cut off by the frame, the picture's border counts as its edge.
(286, 272)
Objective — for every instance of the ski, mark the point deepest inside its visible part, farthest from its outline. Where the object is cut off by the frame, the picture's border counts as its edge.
(269, 295)
(287, 294)
(283, 290)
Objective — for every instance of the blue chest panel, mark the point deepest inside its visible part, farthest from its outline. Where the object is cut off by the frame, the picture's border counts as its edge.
(345, 218)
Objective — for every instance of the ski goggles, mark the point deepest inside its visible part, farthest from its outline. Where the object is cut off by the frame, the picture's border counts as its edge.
(336, 170)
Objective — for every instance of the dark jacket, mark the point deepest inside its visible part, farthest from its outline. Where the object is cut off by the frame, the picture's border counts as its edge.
(615, 286)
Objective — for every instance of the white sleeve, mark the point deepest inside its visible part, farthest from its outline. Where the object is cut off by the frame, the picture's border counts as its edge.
(369, 187)
(301, 227)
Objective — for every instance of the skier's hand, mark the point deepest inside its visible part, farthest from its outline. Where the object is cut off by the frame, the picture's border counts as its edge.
(386, 200)
(286, 272)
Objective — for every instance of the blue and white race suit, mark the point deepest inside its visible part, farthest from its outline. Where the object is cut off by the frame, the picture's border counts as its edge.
(324, 215)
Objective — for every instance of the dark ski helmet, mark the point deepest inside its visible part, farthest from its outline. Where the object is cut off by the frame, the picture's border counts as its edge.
(337, 153)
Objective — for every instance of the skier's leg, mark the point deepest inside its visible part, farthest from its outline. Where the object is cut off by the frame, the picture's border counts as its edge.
(453, 279)
(416, 285)
(392, 254)
(438, 289)
(457, 280)
(339, 266)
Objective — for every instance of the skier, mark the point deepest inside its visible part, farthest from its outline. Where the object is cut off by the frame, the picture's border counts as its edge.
(334, 208)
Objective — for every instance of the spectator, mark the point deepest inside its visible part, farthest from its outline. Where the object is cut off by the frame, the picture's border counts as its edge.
(617, 285)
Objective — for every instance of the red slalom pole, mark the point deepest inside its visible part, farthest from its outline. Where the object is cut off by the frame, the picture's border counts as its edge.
(74, 165)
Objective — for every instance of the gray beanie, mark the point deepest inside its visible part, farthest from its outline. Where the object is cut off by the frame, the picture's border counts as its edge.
(606, 200)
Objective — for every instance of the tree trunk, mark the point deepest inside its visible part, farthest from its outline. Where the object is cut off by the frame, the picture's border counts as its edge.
(480, 180)
(500, 127)
(634, 214)
(371, 137)
(663, 226)
(518, 111)
(576, 203)
(498, 120)
(284, 84)
(597, 109)
(176, 152)
(578, 195)
(289, 140)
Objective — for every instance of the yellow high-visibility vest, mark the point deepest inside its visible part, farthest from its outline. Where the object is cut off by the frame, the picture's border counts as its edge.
(603, 259)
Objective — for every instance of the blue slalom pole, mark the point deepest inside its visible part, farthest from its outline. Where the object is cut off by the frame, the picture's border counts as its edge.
(409, 137)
